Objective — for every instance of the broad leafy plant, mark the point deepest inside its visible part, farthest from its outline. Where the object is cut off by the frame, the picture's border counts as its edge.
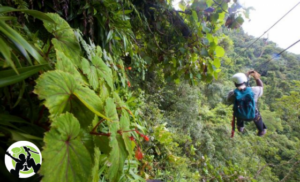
(69, 90)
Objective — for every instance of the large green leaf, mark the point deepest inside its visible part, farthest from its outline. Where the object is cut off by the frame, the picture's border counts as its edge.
(65, 64)
(110, 111)
(87, 139)
(219, 51)
(65, 39)
(57, 88)
(104, 90)
(91, 101)
(62, 94)
(18, 39)
(116, 142)
(217, 62)
(125, 126)
(195, 16)
(118, 100)
(91, 73)
(103, 71)
(118, 154)
(65, 157)
(97, 70)
(95, 169)
(81, 112)
(9, 77)
(102, 142)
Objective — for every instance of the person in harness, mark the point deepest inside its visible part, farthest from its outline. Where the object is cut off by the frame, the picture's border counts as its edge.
(245, 102)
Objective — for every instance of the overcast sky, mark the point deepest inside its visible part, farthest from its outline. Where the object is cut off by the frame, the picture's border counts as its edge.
(266, 13)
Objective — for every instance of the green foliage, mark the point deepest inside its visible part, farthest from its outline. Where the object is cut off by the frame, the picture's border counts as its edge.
(95, 169)
(125, 126)
(64, 37)
(63, 149)
(21, 43)
(62, 94)
(102, 70)
(116, 142)
(274, 105)
(89, 96)
(9, 77)
(72, 104)
(274, 123)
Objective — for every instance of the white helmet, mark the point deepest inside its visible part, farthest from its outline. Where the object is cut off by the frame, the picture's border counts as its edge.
(239, 78)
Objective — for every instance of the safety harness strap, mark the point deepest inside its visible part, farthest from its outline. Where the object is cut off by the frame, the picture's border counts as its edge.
(233, 125)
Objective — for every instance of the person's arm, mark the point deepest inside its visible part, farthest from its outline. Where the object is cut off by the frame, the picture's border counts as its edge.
(28, 153)
(230, 97)
(259, 83)
(15, 159)
(256, 76)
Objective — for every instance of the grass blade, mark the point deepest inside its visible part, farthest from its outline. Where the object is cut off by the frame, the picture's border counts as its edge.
(5, 9)
(20, 94)
(4, 18)
(4, 49)
(15, 36)
(34, 13)
(9, 77)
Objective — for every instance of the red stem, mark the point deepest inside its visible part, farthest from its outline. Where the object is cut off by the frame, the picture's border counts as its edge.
(49, 48)
(137, 131)
(93, 130)
(103, 134)
(40, 114)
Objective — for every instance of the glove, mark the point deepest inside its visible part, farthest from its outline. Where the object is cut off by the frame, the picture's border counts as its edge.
(254, 74)
(249, 72)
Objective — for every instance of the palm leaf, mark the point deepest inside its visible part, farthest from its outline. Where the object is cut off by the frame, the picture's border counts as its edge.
(9, 77)
(34, 13)
(17, 38)
(6, 54)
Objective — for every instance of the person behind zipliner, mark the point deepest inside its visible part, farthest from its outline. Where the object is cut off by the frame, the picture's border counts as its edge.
(19, 163)
(241, 81)
(30, 161)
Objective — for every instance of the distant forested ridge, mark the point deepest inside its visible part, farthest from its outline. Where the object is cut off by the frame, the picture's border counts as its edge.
(199, 121)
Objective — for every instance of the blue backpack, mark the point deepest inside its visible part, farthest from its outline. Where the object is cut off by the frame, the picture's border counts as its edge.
(244, 104)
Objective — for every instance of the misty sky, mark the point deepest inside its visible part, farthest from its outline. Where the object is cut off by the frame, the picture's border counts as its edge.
(266, 13)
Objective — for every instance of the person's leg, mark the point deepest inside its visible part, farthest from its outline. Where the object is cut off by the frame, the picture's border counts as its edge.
(240, 125)
(16, 171)
(31, 163)
(259, 124)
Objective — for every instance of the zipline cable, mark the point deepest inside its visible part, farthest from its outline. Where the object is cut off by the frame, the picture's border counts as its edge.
(281, 52)
(285, 49)
(273, 25)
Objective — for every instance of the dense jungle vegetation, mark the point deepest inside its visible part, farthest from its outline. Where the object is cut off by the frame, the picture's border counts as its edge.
(134, 90)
